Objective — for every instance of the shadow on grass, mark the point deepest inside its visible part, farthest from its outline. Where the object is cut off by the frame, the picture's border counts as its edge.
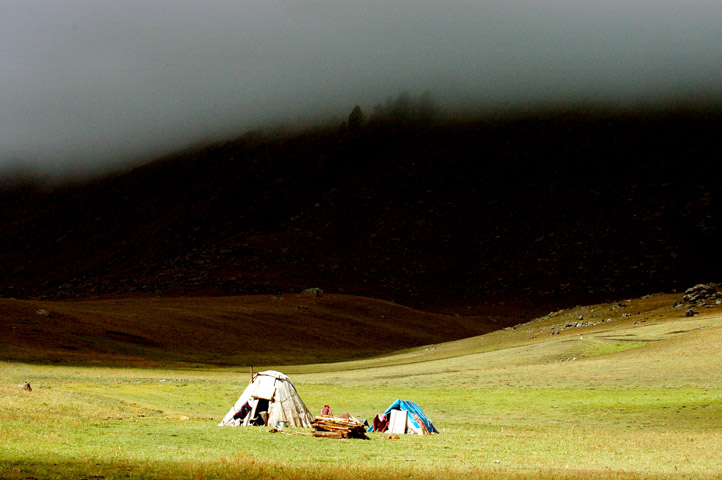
(246, 467)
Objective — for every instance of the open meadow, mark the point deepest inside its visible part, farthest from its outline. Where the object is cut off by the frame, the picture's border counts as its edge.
(630, 389)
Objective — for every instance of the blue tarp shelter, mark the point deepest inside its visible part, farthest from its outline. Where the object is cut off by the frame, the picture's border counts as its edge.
(415, 415)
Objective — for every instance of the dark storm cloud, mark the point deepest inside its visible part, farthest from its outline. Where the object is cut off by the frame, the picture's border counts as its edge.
(91, 82)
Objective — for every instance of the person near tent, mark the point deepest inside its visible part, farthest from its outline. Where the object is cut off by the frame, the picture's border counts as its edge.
(241, 414)
(326, 411)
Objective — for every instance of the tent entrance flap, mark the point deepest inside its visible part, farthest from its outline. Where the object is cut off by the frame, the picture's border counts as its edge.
(397, 421)
(265, 389)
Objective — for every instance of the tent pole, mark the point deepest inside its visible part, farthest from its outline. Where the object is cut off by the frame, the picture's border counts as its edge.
(251, 372)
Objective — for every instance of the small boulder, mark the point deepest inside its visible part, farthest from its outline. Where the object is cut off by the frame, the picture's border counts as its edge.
(314, 292)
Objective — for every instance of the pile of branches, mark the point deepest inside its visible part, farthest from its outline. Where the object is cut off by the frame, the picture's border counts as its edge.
(334, 427)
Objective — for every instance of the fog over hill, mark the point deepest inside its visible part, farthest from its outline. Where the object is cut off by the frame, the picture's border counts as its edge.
(88, 85)
(564, 151)
(546, 209)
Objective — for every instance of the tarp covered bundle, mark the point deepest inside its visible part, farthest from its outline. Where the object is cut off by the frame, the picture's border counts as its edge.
(407, 417)
(273, 393)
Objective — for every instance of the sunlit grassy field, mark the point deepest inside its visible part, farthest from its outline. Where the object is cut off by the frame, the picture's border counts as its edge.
(636, 392)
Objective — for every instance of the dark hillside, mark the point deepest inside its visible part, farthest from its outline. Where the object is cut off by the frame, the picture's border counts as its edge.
(549, 210)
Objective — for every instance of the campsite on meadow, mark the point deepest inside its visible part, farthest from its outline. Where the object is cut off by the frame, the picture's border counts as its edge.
(330, 296)
(628, 389)
(401, 240)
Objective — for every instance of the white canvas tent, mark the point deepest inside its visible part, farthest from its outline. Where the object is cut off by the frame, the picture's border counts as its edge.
(271, 392)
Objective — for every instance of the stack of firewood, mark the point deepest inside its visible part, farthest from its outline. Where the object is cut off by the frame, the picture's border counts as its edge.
(334, 427)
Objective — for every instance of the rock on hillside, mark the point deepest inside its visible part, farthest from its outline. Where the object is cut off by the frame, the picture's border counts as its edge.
(702, 295)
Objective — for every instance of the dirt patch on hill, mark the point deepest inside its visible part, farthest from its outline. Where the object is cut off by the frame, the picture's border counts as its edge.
(241, 330)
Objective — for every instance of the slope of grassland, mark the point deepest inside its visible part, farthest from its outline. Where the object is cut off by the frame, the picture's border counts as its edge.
(581, 333)
(241, 330)
(632, 390)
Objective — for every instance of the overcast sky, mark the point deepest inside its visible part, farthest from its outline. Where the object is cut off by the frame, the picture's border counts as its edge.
(97, 82)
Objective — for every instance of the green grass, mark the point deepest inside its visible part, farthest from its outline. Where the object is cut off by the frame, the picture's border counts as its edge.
(617, 401)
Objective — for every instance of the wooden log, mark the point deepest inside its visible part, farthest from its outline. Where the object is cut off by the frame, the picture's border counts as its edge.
(337, 421)
(329, 434)
(334, 427)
